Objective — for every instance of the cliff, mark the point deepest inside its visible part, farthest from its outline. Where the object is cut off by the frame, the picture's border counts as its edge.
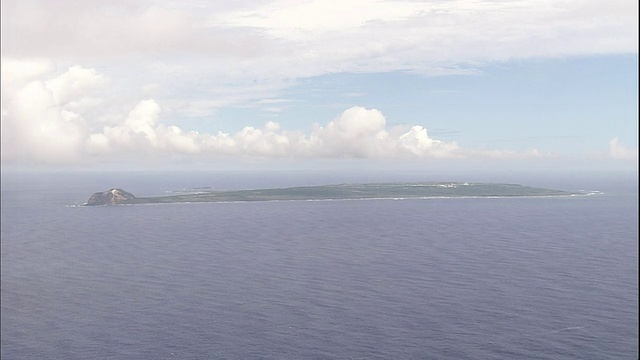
(110, 197)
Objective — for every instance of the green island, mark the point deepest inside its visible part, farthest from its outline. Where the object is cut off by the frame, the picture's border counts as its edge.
(419, 190)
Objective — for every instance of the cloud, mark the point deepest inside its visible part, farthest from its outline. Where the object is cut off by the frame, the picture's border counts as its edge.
(49, 118)
(42, 119)
(40, 124)
(356, 133)
(16, 72)
(140, 132)
(290, 39)
(619, 151)
(75, 83)
(440, 33)
(45, 119)
(198, 57)
(97, 29)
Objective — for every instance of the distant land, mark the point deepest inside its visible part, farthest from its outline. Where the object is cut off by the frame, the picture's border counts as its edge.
(331, 192)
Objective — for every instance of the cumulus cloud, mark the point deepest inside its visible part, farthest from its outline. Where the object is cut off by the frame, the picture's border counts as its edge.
(253, 49)
(51, 118)
(16, 72)
(356, 133)
(43, 122)
(40, 118)
(140, 132)
(74, 84)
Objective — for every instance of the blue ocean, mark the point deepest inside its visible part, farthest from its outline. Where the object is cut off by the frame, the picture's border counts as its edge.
(459, 278)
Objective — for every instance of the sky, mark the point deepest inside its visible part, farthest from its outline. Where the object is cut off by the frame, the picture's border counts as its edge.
(441, 84)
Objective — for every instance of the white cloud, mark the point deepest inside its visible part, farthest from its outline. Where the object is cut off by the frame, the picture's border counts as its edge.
(16, 72)
(298, 18)
(55, 118)
(141, 132)
(48, 118)
(197, 57)
(284, 39)
(41, 121)
(434, 37)
(417, 141)
(48, 132)
(75, 83)
(619, 151)
(98, 29)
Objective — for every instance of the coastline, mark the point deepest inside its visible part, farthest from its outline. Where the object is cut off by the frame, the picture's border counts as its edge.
(391, 191)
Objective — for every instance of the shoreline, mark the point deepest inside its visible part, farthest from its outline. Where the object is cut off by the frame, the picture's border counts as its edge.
(374, 191)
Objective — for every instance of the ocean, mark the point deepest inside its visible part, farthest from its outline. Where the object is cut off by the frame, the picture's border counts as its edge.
(460, 278)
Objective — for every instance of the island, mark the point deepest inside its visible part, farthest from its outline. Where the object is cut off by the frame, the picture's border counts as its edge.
(421, 190)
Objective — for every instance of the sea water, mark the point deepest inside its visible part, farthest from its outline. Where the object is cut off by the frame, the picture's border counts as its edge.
(499, 278)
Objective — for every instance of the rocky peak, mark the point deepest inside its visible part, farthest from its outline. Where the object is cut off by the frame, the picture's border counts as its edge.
(110, 197)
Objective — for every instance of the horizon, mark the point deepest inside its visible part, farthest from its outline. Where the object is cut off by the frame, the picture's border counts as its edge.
(145, 182)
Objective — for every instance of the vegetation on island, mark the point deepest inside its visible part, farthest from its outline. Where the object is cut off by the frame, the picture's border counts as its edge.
(332, 192)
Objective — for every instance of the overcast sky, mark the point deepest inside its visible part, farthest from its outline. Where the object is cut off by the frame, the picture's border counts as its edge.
(433, 83)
